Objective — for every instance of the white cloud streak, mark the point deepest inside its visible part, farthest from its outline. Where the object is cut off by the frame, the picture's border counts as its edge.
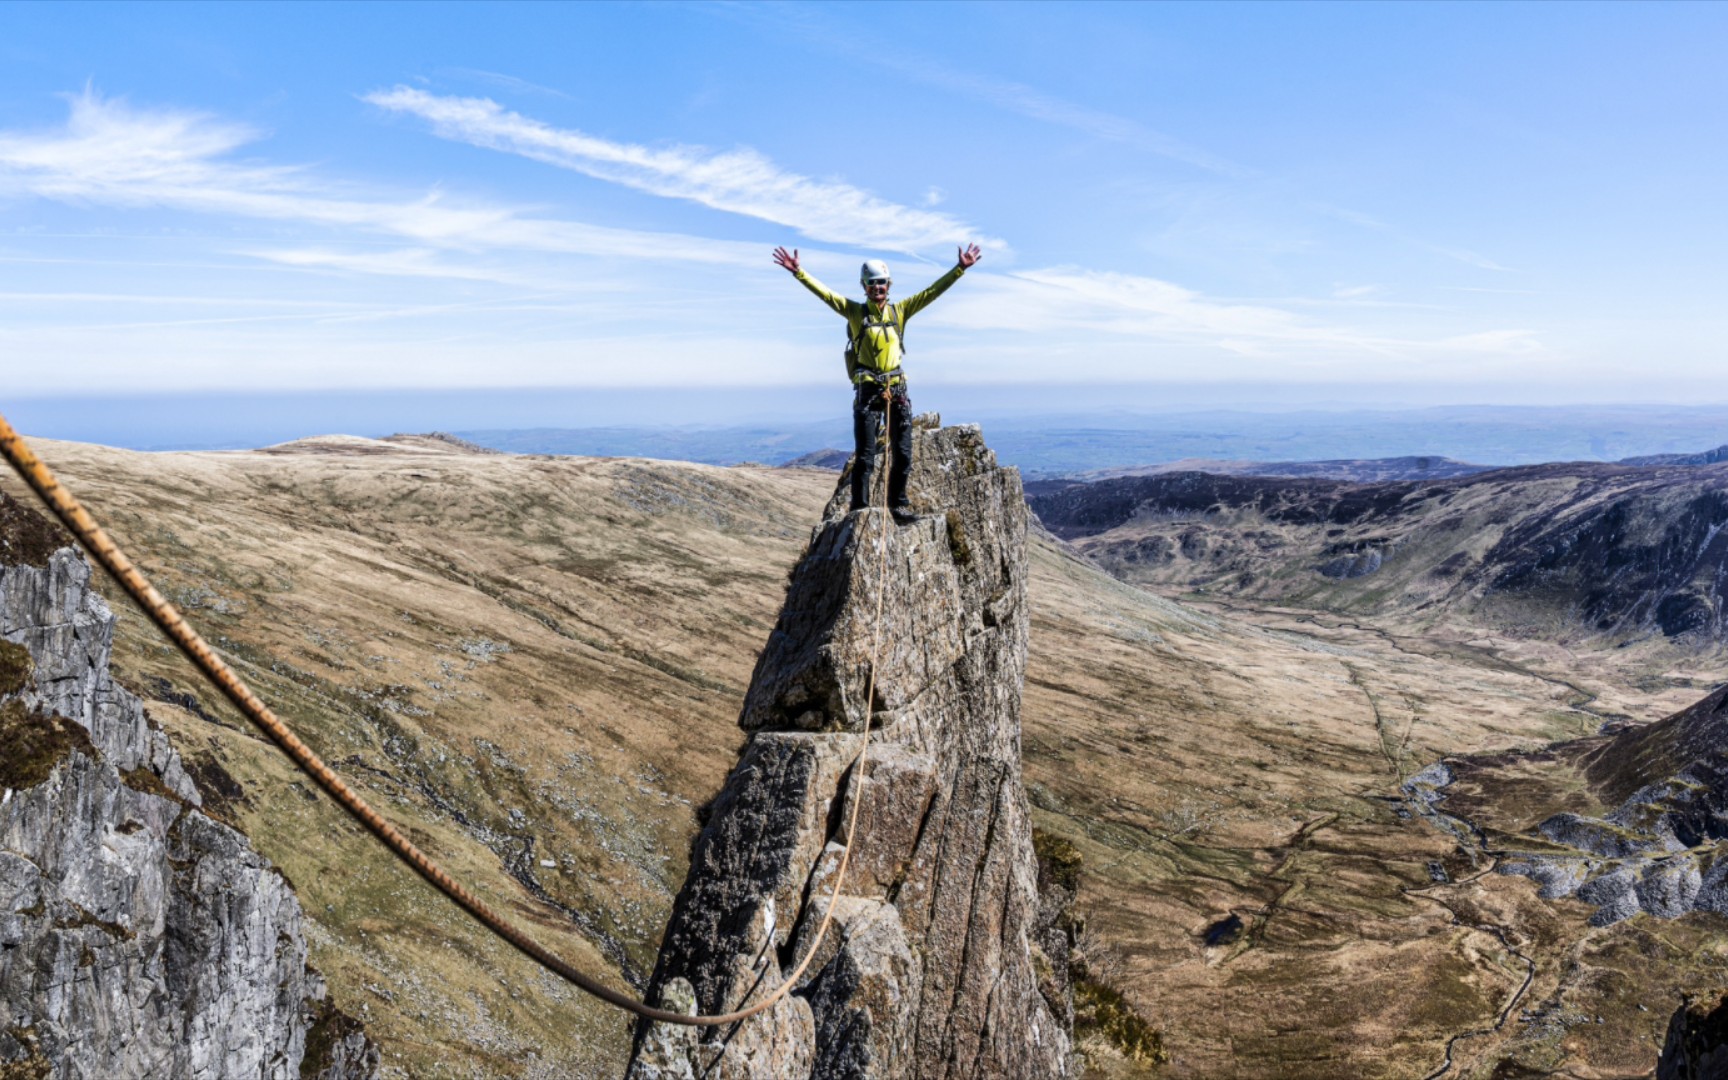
(1354, 292)
(113, 154)
(1071, 301)
(740, 181)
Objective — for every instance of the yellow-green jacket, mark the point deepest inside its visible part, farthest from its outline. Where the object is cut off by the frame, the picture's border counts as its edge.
(879, 347)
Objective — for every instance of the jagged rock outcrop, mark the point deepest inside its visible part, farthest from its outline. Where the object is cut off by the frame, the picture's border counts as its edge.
(138, 936)
(943, 960)
(1660, 851)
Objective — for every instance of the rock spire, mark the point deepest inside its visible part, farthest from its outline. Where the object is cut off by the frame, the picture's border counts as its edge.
(942, 960)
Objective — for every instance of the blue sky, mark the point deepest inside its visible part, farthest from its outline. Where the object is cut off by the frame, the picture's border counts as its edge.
(1459, 202)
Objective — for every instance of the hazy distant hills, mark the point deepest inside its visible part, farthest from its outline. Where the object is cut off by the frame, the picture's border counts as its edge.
(1360, 470)
(1098, 443)
(1708, 457)
(1047, 430)
(716, 445)
(820, 459)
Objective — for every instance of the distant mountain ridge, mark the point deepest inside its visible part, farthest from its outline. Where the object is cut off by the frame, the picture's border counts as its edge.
(1066, 444)
(1360, 470)
(1706, 457)
(820, 459)
(1574, 550)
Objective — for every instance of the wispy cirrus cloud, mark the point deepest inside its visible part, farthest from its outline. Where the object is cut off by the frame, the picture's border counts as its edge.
(1467, 257)
(1034, 104)
(508, 82)
(817, 26)
(741, 181)
(112, 153)
(1076, 301)
(1496, 342)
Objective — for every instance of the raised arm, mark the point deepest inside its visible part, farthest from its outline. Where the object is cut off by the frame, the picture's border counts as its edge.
(968, 257)
(789, 261)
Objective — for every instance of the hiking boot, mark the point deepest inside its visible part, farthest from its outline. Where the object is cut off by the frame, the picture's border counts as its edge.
(903, 515)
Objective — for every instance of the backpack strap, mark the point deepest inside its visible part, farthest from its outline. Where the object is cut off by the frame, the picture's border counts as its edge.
(899, 326)
(893, 320)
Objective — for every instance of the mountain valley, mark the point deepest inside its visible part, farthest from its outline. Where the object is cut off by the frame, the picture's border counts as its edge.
(536, 666)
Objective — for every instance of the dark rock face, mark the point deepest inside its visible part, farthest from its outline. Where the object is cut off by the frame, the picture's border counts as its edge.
(1635, 558)
(138, 937)
(1353, 470)
(1353, 566)
(1084, 509)
(1697, 1044)
(932, 967)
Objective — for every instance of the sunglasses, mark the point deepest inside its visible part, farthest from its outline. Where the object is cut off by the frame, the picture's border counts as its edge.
(875, 282)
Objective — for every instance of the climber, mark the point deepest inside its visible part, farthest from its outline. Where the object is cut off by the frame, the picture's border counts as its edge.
(875, 342)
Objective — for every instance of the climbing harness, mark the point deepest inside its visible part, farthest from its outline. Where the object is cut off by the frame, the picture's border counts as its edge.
(872, 382)
(37, 475)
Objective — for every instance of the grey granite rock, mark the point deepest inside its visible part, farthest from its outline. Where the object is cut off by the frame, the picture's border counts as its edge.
(138, 937)
(932, 965)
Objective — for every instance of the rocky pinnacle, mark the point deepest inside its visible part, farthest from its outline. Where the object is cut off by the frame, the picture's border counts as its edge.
(933, 966)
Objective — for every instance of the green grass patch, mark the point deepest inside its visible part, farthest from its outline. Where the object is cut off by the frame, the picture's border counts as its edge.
(26, 537)
(1101, 1009)
(958, 545)
(1059, 859)
(35, 744)
(15, 667)
(142, 779)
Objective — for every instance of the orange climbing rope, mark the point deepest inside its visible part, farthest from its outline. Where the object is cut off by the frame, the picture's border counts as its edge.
(165, 615)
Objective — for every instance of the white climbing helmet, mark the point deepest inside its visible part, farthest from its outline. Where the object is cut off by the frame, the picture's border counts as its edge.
(873, 270)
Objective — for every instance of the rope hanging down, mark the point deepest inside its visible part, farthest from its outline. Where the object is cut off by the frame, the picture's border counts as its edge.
(165, 615)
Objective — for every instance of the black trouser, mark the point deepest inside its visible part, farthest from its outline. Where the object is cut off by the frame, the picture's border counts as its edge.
(867, 414)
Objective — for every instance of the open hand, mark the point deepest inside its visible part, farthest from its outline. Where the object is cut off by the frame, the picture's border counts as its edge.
(970, 254)
(788, 259)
